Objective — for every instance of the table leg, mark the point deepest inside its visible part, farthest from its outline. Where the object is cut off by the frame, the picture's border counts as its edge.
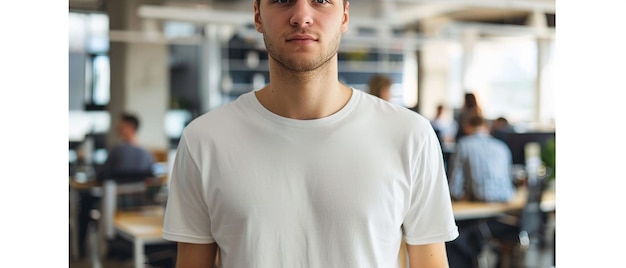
(139, 254)
(74, 224)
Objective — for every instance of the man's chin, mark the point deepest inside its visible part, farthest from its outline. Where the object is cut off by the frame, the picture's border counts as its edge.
(299, 65)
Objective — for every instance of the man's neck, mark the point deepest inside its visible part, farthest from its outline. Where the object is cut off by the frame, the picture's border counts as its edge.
(480, 131)
(304, 95)
(130, 140)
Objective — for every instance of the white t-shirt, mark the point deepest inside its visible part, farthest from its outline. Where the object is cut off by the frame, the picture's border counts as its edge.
(339, 191)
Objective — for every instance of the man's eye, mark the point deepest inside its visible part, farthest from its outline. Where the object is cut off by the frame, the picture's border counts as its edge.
(289, 1)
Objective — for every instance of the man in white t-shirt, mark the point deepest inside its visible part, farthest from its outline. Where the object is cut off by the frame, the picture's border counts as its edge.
(307, 172)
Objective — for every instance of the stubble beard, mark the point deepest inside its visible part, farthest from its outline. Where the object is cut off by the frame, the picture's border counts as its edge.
(301, 64)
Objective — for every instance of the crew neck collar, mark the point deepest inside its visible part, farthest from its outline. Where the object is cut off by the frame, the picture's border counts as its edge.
(252, 100)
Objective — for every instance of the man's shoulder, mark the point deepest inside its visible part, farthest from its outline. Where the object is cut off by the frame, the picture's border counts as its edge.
(482, 140)
(219, 120)
(472, 140)
(390, 109)
(495, 141)
(220, 114)
(127, 147)
(123, 147)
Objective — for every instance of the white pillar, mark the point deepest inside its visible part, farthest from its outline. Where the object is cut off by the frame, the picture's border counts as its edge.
(545, 93)
(434, 68)
(538, 21)
(434, 78)
(211, 69)
(469, 40)
(139, 76)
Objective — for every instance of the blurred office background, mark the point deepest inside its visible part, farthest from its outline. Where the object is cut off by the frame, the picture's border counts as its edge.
(170, 61)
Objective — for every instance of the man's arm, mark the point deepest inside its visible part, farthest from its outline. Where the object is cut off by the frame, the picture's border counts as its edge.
(427, 256)
(196, 255)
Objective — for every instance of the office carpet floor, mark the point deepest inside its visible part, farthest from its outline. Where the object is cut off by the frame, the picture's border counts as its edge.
(535, 257)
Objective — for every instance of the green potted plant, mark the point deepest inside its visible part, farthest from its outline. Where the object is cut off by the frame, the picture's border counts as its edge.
(548, 156)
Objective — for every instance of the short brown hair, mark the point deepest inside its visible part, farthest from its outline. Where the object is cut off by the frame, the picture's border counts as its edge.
(475, 121)
(377, 83)
(131, 119)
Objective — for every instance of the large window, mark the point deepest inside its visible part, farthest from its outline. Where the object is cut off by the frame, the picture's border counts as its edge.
(89, 61)
(89, 85)
(98, 86)
(503, 76)
(504, 73)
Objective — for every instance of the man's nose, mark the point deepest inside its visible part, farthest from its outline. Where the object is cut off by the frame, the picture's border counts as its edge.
(302, 14)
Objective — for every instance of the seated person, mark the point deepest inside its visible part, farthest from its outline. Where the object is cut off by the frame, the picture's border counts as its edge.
(480, 171)
(446, 129)
(481, 166)
(500, 128)
(127, 160)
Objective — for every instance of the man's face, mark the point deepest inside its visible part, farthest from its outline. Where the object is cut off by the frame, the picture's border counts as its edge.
(301, 35)
(125, 129)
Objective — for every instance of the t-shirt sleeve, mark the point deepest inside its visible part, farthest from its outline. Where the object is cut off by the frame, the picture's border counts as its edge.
(430, 218)
(186, 215)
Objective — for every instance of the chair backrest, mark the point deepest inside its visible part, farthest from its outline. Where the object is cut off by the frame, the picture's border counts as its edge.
(111, 190)
(531, 220)
(108, 207)
(110, 201)
(126, 176)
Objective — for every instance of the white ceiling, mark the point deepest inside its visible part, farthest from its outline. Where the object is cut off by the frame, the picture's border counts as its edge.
(422, 17)
(394, 12)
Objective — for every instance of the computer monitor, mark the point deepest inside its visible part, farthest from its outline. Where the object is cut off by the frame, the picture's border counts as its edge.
(517, 142)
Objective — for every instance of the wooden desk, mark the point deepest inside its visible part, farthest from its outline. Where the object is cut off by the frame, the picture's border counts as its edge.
(465, 210)
(142, 227)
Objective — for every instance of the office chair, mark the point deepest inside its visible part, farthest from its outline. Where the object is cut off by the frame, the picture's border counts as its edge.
(511, 235)
(128, 190)
(120, 190)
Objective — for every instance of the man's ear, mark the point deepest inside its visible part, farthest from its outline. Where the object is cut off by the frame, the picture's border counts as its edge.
(346, 17)
(257, 18)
